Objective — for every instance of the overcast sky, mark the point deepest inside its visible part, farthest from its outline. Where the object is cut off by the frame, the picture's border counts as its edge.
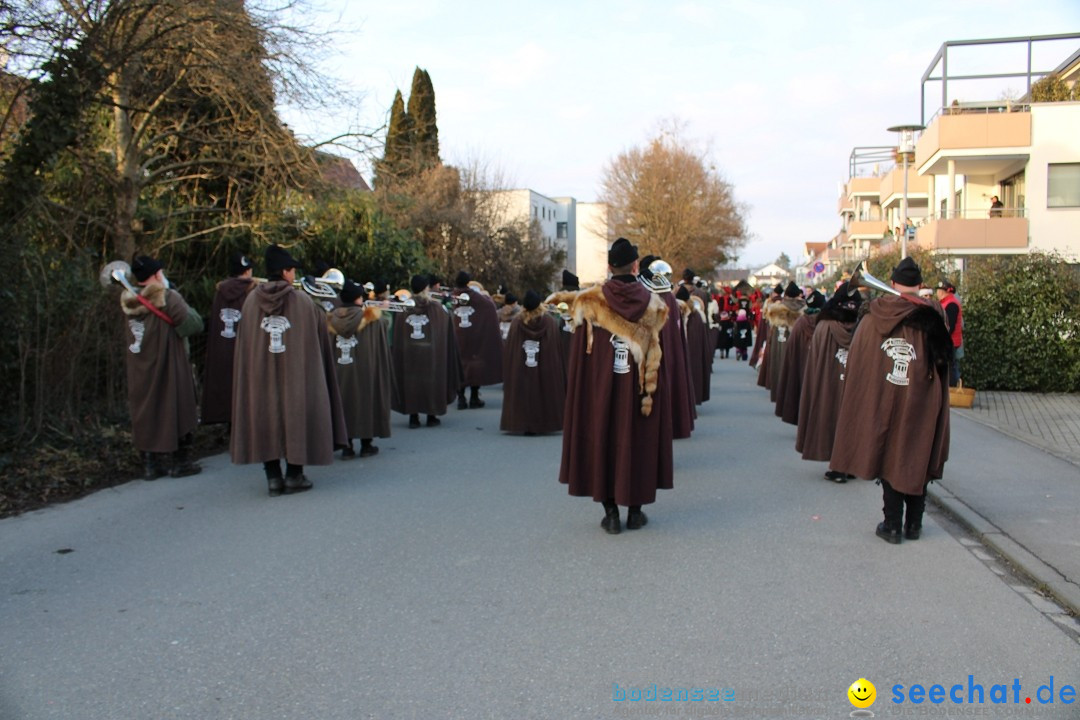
(780, 92)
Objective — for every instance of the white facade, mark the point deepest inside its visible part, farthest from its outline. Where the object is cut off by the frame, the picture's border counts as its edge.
(1055, 138)
(591, 243)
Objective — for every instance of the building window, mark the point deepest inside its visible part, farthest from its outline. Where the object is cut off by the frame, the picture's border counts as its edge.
(1063, 185)
(562, 230)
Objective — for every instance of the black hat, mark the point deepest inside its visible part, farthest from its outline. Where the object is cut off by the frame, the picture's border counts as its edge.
(381, 285)
(779, 289)
(645, 263)
(946, 286)
(144, 267)
(622, 253)
(570, 280)
(434, 280)
(278, 259)
(239, 264)
(321, 266)
(816, 300)
(418, 283)
(907, 273)
(510, 298)
(350, 291)
(531, 301)
(792, 290)
(462, 279)
(683, 294)
(688, 275)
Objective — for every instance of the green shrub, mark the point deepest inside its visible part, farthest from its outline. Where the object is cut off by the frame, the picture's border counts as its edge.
(1021, 324)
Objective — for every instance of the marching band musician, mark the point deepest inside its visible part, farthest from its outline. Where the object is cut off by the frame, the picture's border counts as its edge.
(894, 417)
(285, 392)
(534, 377)
(161, 387)
(229, 298)
(676, 366)
(425, 358)
(698, 350)
(364, 370)
(789, 382)
(479, 341)
(781, 316)
(507, 313)
(617, 444)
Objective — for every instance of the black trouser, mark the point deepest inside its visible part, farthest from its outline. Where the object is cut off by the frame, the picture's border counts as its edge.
(893, 507)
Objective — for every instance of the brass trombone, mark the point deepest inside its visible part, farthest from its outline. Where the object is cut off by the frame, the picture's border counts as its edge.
(859, 276)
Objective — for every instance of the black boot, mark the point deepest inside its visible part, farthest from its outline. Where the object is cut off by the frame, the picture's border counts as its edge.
(916, 505)
(182, 466)
(635, 518)
(274, 483)
(414, 421)
(433, 421)
(295, 482)
(893, 509)
(474, 398)
(152, 468)
(462, 403)
(366, 448)
(611, 523)
(347, 452)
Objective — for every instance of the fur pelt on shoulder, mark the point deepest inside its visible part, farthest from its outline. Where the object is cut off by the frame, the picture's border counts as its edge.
(131, 305)
(590, 307)
(684, 310)
(929, 320)
(784, 313)
(528, 317)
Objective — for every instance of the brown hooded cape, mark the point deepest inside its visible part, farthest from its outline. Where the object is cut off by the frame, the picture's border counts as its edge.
(364, 371)
(676, 368)
(534, 377)
(161, 387)
(425, 357)
(699, 351)
(782, 316)
(221, 347)
(617, 440)
(286, 401)
(894, 418)
(789, 385)
(479, 339)
(823, 388)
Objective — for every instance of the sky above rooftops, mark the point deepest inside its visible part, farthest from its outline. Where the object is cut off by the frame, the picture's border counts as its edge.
(778, 92)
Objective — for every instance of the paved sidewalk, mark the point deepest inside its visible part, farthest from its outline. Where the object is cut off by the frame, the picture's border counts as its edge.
(1030, 516)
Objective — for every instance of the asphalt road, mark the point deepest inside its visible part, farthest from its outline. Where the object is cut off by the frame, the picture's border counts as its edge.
(451, 576)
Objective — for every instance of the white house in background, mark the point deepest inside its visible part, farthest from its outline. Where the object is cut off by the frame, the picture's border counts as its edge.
(769, 275)
(579, 228)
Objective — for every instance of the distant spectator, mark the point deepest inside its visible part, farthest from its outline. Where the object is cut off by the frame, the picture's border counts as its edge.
(996, 206)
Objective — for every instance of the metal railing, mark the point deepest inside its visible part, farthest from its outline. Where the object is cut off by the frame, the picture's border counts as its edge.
(980, 214)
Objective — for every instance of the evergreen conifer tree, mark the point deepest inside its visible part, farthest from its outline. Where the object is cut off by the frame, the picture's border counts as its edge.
(397, 155)
(425, 132)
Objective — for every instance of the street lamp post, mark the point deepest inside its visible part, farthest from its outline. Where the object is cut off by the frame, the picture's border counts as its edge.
(905, 146)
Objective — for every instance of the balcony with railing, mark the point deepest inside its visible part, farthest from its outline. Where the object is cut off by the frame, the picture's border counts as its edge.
(975, 230)
(1003, 132)
(892, 186)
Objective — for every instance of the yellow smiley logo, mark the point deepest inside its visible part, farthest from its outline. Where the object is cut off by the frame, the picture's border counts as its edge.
(862, 693)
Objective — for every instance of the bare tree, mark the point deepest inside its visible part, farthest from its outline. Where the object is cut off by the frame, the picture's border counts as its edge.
(671, 200)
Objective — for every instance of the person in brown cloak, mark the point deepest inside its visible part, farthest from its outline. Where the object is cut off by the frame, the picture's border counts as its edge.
(617, 444)
(676, 366)
(286, 401)
(894, 418)
(510, 309)
(781, 316)
(161, 386)
(229, 297)
(479, 341)
(761, 330)
(364, 371)
(426, 370)
(823, 378)
(570, 283)
(534, 378)
(789, 384)
(697, 344)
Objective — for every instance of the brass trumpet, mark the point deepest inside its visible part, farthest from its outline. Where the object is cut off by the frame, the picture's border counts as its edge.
(859, 276)
(450, 297)
(117, 272)
(391, 305)
(325, 287)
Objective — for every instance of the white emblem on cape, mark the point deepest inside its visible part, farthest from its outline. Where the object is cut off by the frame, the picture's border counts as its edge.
(275, 326)
(622, 355)
(463, 314)
(566, 324)
(138, 329)
(781, 333)
(841, 357)
(345, 345)
(742, 334)
(229, 316)
(505, 328)
(328, 306)
(417, 322)
(532, 349)
(901, 352)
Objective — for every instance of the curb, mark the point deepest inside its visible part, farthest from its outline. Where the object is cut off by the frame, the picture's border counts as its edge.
(1064, 592)
(1023, 437)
